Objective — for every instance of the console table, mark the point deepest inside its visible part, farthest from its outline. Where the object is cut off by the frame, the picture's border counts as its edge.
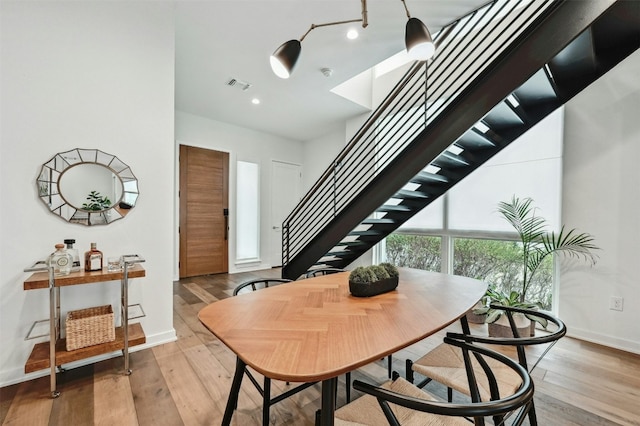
(53, 354)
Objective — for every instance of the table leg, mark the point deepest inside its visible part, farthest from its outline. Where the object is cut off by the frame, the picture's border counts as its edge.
(266, 401)
(232, 402)
(329, 387)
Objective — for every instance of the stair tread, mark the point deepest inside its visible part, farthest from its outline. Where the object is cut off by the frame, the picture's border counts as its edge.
(407, 193)
(378, 221)
(352, 243)
(450, 159)
(399, 208)
(365, 233)
(426, 177)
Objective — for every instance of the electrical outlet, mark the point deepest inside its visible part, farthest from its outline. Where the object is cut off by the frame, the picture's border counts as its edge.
(616, 303)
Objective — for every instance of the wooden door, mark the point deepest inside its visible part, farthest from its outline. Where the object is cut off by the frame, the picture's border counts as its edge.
(204, 207)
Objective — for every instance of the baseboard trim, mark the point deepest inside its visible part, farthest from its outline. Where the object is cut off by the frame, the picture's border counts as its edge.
(601, 339)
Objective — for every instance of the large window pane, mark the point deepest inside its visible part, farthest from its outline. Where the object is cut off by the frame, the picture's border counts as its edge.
(428, 218)
(499, 263)
(414, 251)
(531, 167)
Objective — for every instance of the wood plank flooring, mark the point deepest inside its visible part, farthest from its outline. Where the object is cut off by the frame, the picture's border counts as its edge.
(187, 382)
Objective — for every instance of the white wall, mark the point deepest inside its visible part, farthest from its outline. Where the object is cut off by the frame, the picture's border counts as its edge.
(601, 195)
(319, 154)
(246, 145)
(91, 75)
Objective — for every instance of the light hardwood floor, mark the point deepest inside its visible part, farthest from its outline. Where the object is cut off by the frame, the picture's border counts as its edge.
(186, 382)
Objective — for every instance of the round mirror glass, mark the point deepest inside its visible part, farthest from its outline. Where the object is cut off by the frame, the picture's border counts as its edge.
(87, 186)
(91, 187)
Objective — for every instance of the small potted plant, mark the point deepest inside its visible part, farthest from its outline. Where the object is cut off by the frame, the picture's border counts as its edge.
(96, 202)
(498, 323)
(366, 281)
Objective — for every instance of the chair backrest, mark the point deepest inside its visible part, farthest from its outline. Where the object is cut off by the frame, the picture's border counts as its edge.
(520, 342)
(322, 271)
(518, 403)
(259, 283)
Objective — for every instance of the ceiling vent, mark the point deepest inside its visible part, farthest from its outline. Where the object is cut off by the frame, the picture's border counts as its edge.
(234, 82)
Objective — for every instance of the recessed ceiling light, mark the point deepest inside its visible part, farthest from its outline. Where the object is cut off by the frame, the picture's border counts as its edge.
(255, 101)
(352, 34)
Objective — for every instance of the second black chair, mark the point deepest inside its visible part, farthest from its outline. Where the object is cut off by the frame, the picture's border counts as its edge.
(265, 387)
(399, 402)
(445, 365)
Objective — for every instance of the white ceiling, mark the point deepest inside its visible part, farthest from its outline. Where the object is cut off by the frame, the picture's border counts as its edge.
(217, 40)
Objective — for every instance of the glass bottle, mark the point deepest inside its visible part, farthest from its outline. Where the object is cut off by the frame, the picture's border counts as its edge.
(61, 261)
(93, 259)
(73, 252)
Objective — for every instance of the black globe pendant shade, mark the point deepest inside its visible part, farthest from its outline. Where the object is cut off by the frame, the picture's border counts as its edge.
(285, 57)
(418, 40)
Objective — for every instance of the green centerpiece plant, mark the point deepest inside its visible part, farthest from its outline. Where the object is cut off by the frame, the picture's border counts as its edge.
(537, 245)
(365, 281)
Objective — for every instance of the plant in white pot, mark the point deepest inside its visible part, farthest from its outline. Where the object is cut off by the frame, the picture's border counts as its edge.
(537, 246)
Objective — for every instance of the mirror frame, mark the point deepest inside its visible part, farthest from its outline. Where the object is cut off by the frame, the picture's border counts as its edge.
(48, 187)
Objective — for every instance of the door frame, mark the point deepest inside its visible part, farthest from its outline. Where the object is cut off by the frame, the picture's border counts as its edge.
(273, 262)
(178, 210)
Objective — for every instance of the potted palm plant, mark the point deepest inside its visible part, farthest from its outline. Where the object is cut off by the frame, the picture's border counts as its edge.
(537, 246)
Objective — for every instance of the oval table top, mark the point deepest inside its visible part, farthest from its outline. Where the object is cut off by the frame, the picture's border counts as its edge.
(314, 329)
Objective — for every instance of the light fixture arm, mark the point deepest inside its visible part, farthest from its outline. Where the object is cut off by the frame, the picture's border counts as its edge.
(363, 20)
(406, 8)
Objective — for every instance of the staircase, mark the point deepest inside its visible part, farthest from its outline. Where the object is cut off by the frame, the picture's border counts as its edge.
(498, 71)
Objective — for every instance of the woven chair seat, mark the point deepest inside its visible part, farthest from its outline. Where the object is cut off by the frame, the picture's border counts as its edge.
(365, 411)
(445, 364)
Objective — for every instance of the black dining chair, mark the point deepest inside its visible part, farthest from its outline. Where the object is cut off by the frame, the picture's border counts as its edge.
(446, 366)
(322, 271)
(400, 402)
(265, 388)
(258, 283)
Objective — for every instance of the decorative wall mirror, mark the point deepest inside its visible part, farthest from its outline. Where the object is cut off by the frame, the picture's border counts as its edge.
(87, 186)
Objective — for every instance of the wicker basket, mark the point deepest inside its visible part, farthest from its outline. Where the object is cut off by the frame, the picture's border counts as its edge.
(91, 326)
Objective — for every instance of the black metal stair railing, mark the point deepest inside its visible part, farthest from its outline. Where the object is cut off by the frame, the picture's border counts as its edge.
(465, 49)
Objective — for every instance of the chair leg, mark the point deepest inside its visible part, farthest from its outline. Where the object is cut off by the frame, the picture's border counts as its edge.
(232, 402)
(347, 377)
(449, 394)
(533, 419)
(409, 370)
(389, 364)
(266, 401)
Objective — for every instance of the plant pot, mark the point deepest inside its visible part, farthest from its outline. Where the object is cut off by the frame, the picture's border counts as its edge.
(373, 288)
(501, 327)
(476, 318)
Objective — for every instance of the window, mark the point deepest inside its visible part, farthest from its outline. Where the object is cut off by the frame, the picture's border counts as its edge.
(464, 226)
(499, 263)
(414, 251)
(247, 212)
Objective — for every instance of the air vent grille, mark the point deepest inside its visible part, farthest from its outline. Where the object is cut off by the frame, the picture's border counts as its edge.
(234, 82)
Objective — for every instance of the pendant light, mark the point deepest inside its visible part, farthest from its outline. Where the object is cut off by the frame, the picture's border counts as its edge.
(418, 42)
(417, 38)
(285, 57)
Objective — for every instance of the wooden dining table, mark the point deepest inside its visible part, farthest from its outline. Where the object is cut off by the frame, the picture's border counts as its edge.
(314, 330)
